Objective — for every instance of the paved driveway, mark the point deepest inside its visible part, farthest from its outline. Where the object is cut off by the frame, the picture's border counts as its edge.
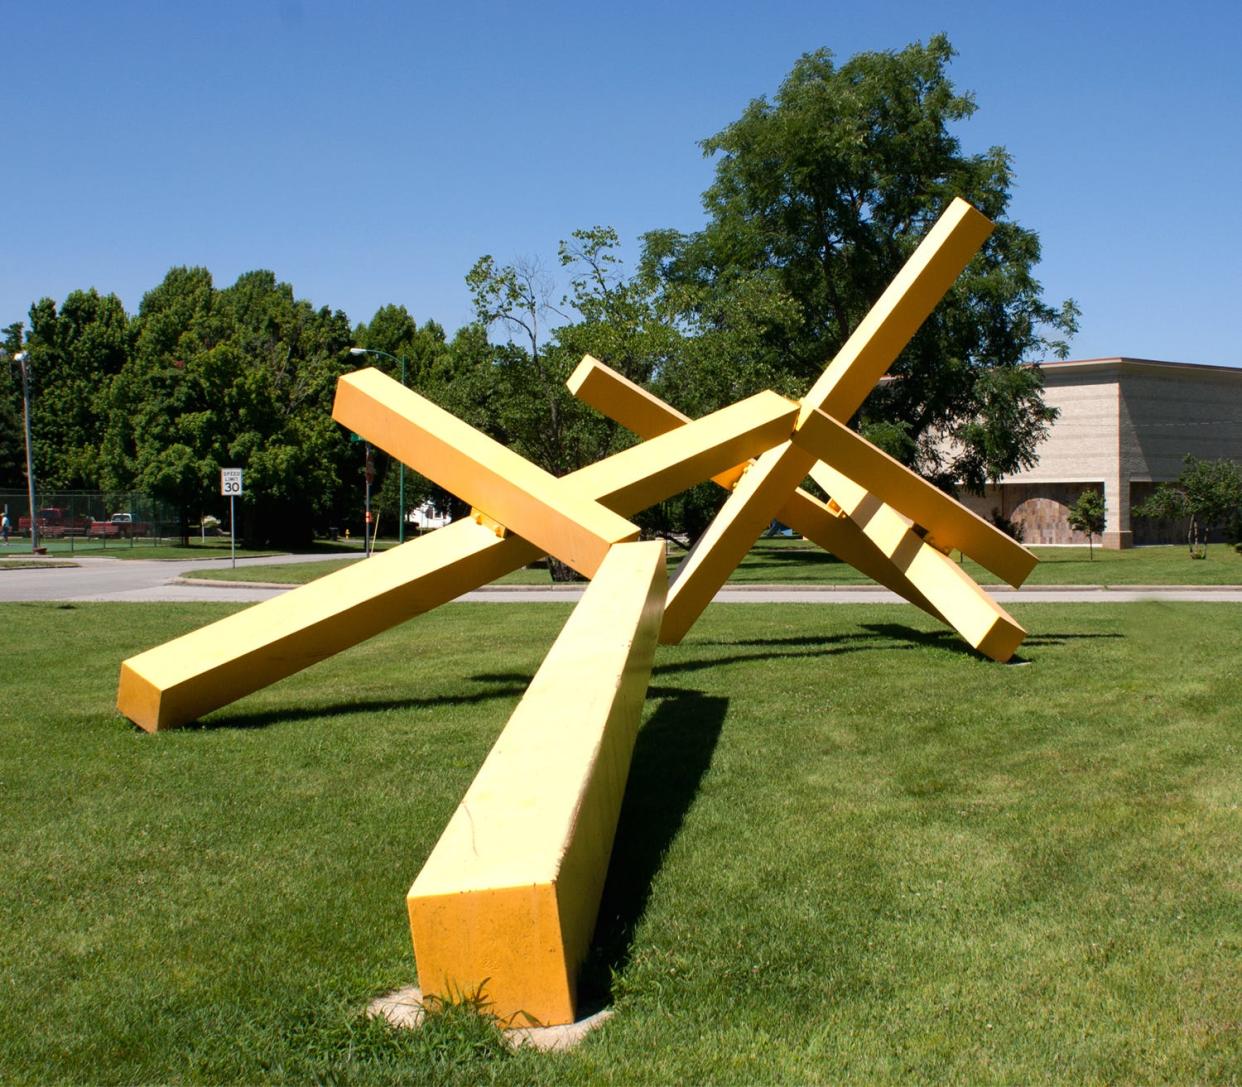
(146, 581)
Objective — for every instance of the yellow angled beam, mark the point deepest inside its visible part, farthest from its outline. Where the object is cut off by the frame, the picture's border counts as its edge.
(647, 473)
(841, 389)
(190, 676)
(961, 603)
(181, 680)
(948, 522)
(765, 486)
(618, 398)
(479, 470)
(506, 903)
(837, 533)
(883, 334)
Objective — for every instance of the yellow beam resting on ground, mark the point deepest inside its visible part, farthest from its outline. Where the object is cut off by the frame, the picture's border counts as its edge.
(949, 524)
(494, 479)
(966, 607)
(506, 903)
(190, 676)
(181, 680)
(840, 390)
(871, 536)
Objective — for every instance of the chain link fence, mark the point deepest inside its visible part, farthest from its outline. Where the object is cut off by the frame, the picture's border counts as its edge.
(73, 521)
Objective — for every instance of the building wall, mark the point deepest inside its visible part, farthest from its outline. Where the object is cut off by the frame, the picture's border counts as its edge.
(1125, 425)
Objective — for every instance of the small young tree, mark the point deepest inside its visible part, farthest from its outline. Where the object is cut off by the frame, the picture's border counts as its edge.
(1208, 493)
(1087, 515)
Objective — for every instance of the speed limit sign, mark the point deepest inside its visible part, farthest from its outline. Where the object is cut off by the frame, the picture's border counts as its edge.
(230, 481)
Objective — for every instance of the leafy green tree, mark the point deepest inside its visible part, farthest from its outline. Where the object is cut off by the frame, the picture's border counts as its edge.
(12, 437)
(1207, 495)
(819, 197)
(1087, 515)
(394, 331)
(76, 352)
(242, 377)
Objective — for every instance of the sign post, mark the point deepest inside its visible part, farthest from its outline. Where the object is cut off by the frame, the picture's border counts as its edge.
(231, 485)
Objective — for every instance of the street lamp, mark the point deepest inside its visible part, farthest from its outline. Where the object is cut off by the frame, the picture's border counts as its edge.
(22, 358)
(356, 351)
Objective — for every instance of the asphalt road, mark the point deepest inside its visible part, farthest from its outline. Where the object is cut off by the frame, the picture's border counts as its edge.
(147, 581)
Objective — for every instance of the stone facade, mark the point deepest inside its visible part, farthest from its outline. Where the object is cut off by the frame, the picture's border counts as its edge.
(1125, 425)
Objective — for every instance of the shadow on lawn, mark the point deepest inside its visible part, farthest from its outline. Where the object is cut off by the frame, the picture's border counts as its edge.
(671, 755)
(240, 719)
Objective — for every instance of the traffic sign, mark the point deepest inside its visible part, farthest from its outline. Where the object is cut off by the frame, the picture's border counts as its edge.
(230, 481)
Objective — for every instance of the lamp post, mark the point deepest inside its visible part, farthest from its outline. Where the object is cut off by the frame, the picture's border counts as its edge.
(22, 358)
(356, 351)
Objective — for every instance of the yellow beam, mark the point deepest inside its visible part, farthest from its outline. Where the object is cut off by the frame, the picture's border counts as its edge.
(882, 335)
(190, 676)
(872, 536)
(665, 464)
(479, 470)
(950, 591)
(181, 680)
(506, 903)
(620, 399)
(948, 523)
(867, 354)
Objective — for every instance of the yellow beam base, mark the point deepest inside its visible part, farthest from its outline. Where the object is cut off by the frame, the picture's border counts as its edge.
(948, 522)
(183, 679)
(506, 903)
(950, 591)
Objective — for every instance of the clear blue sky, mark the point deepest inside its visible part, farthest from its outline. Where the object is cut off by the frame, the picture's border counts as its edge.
(370, 152)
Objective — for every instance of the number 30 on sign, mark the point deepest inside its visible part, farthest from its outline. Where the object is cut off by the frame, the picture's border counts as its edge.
(230, 481)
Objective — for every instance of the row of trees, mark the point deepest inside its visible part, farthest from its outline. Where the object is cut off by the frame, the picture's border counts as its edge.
(820, 195)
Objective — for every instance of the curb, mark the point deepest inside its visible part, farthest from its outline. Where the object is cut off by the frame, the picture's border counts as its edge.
(752, 587)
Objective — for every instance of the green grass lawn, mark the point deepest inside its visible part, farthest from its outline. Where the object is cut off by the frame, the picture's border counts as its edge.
(781, 561)
(852, 851)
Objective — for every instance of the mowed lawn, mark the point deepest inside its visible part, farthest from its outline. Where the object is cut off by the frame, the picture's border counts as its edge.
(800, 562)
(852, 851)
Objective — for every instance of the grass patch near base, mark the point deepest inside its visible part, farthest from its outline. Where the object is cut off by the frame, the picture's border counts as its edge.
(851, 851)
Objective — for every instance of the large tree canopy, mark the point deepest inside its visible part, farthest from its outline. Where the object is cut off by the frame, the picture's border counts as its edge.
(820, 196)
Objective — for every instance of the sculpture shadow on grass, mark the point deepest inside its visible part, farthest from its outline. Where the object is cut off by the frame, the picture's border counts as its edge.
(239, 718)
(671, 754)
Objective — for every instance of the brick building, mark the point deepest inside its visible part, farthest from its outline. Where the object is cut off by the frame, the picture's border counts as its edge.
(1125, 425)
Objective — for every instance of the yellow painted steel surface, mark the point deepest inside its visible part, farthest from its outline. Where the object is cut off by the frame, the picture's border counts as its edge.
(884, 332)
(872, 536)
(506, 903)
(962, 604)
(949, 524)
(840, 390)
(183, 679)
(211, 667)
(629, 404)
(479, 470)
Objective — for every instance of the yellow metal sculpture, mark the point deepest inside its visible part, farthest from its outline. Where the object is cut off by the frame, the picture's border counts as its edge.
(507, 900)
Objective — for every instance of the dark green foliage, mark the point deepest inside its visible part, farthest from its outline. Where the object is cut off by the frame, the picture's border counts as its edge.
(1207, 495)
(240, 377)
(1087, 514)
(819, 198)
